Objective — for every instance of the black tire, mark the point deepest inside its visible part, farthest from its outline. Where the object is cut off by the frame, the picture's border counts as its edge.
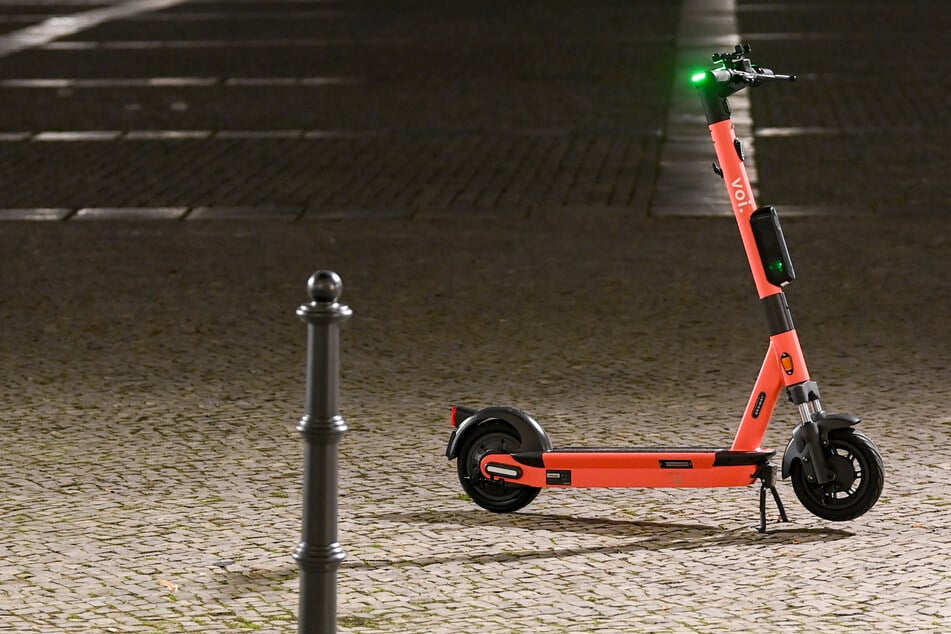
(860, 477)
(491, 437)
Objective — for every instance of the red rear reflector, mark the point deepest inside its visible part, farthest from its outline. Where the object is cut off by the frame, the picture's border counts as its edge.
(455, 410)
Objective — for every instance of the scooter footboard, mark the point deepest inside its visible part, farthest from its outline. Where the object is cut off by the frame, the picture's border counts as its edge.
(619, 468)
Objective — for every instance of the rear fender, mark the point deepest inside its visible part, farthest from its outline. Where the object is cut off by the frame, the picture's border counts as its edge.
(533, 438)
(798, 447)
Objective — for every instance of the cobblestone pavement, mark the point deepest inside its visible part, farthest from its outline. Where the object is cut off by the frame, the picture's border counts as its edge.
(154, 374)
(154, 370)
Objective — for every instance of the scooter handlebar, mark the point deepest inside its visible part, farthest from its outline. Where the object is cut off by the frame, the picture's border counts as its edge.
(740, 68)
(742, 78)
(733, 72)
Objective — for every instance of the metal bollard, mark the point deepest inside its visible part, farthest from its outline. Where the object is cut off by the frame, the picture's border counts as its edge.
(319, 554)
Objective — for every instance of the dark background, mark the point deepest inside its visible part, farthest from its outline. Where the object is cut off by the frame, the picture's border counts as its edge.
(419, 107)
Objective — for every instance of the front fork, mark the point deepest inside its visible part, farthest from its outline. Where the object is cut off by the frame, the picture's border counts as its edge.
(814, 458)
(811, 437)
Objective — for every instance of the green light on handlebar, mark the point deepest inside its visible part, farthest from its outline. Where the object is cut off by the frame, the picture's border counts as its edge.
(698, 78)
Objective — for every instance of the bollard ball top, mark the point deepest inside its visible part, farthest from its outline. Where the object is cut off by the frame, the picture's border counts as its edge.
(323, 309)
(324, 287)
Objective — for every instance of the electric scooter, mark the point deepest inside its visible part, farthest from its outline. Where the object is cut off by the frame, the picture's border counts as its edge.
(504, 457)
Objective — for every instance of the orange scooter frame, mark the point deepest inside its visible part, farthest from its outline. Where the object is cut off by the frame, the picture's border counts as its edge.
(505, 457)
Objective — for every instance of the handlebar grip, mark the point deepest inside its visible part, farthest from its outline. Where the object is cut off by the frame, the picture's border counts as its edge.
(765, 73)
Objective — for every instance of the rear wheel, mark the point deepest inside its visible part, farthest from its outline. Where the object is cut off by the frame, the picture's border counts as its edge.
(859, 478)
(488, 438)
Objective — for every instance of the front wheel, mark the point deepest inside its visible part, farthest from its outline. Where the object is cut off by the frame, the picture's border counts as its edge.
(859, 478)
(488, 438)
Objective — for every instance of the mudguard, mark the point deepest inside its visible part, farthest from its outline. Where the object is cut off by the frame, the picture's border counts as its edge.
(533, 437)
(798, 447)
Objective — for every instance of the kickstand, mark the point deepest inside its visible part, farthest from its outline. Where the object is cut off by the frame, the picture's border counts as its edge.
(767, 476)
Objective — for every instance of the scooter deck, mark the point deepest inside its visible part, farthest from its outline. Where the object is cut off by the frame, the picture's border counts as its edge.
(624, 467)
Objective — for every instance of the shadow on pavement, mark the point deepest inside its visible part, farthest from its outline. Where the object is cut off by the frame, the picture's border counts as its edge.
(650, 536)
